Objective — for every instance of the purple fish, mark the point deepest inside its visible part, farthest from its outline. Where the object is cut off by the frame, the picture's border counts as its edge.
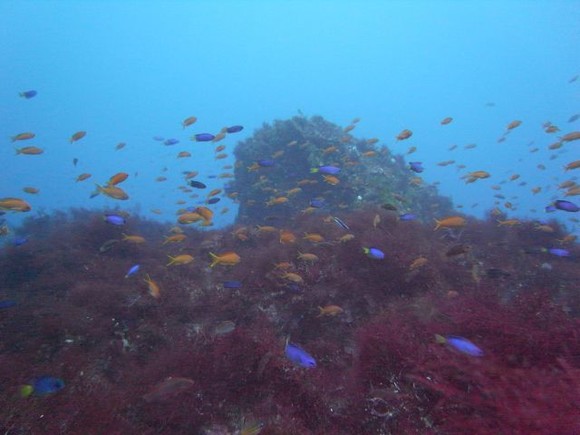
(299, 356)
(28, 94)
(114, 219)
(197, 184)
(213, 200)
(374, 253)
(559, 252)
(561, 204)
(463, 345)
(134, 269)
(408, 217)
(329, 170)
(416, 167)
(265, 163)
(203, 137)
(235, 129)
(317, 203)
(171, 141)
(232, 284)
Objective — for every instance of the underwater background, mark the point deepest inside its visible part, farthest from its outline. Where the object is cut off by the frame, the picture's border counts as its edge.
(289, 217)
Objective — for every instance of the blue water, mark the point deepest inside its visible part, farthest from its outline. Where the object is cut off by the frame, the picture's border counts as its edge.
(126, 71)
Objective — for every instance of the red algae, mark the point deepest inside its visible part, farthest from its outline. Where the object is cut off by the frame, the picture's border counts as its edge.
(379, 367)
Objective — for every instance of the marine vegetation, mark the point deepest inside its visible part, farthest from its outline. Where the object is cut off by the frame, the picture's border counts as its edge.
(213, 347)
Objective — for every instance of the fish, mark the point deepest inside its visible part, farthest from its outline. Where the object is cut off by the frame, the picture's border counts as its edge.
(14, 204)
(23, 136)
(114, 219)
(112, 192)
(179, 260)
(7, 304)
(133, 239)
(197, 184)
(188, 121)
(329, 170)
(77, 136)
(31, 190)
(340, 223)
(559, 204)
(28, 94)
(460, 344)
(330, 310)
(167, 389)
(405, 134)
(203, 137)
(450, 222)
(299, 356)
(227, 259)
(572, 165)
(234, 129)
(30, 151)
(232, 284)
(317, 203)
(416, 167)
(153, 287)
(374, 253)
(447, 120)
(513, 124)
(223, 328)
(407, 217)
(42, 386)
(558, 252)
(107, 245)
(171, 141)
(83, 177)
(133, 270)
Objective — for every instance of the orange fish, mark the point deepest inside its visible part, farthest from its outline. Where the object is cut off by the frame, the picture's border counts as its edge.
(287, 237)
(188, 121)
(220, 148)
(117, 178)
(183, 154)
(34, 190)
(205, 213)
(349, 128)
(189, 218)
(77, 136)
(227, 259)
(308, 257)
(450, 222)
(154, 289)
(513, 124)
(331, 179)
(179, 260)
(277, 201)
(313, 237)
(14, 204)
(133, 239)
(575, 135)
(221, 156)
(418, 262)
(83, 177)
(175, 238)
(572, 165)
(405, 134)
(23, 136)
(113, 192)
(330, 310)
(294, 277)
(31, 151)
(447, 120)
(214, 192)
(372, 141)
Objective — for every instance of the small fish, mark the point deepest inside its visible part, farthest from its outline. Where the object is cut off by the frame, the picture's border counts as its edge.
(203, 137)
(265, 163)
(227, 259)
(340, 223)
(42, 386)
(77, 136)
(107, 245)
(460, 344)
(153, 287)
(114, 219)
(405, 134)
(197, 184)
(189, 121)
(558, 252)
(179, 260)
(28, 94)
(299, 356)
(330, 310)
(213, 200)
(407, 217)
(329, 170)
(374, 253)
(14, 204)
(7, 304)
(389, 207)
(167, 389)
(232, 284)
(30, 151)
(317, 203)
(234, 129)
(450, 222)
(170, 142)
(23, 136)
(416, 167)
(568, 206)
(133, 270)
(19, 241)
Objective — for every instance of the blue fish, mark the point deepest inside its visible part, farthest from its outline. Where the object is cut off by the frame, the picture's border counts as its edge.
(559, 252)
(329, 170)
(232, 284)
(374, 253)
(234, 129)
(43, 386)
(28, 94)
(299, 356)
(171, 141)
(203, 137)
(460, 344)
(317, 203)
(7, 304)
(561, 204)
(550, 209)
(407, 217)
(19, 241)
(265, 163)
(197, 184)
(114, 219)
(416, 167)
(133, 270)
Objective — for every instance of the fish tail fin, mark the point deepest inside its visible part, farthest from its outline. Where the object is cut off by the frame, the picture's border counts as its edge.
(440, 339)
(314, 170)
(215, 259)
(321, 311)
(437, 225)
(171, 260)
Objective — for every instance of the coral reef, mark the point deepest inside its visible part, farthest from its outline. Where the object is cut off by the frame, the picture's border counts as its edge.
(379, 369)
